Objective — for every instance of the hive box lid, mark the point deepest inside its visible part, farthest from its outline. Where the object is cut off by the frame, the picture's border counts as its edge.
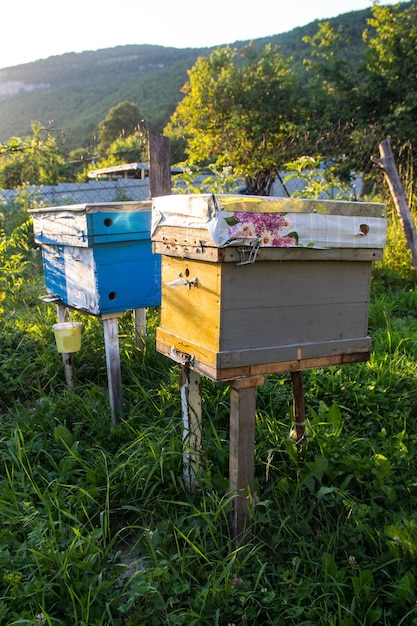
(84, 225)
(233, 219)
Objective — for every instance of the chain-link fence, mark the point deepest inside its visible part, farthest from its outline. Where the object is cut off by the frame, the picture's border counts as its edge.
(95, 191)
(286, 184)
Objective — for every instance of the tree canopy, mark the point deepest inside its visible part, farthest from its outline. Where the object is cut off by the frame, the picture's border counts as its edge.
(239, 108)
(378, 91)
(389, 91)
(122, 120)
(32, 160)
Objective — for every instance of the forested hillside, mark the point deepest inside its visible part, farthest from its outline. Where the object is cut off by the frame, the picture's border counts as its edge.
(76, 90)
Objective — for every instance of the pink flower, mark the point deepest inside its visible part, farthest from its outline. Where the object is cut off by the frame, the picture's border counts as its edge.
(284, 242)
(265, 227)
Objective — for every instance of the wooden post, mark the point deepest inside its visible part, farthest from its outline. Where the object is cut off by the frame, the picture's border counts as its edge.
(159, 166)
(67, 358)
(114, 377)
(139, 322)
(191, 406)
(299, 429)
(242, 450)
(387, 164)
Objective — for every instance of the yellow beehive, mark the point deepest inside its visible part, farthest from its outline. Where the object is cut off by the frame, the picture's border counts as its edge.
(235, 305)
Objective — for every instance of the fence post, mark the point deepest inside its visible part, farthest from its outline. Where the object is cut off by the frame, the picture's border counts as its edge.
(159, 166)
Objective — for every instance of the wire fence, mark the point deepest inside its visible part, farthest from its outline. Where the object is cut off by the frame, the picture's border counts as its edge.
(126, 190)
(92, 192)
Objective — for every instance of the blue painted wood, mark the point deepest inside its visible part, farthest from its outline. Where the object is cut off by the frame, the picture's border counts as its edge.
(109, 278)
(54, 270)
(87, 225)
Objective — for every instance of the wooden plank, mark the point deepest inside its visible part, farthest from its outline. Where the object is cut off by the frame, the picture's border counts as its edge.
(241, 459)
(292, 352)
(269, 304)
(114, 377)
(294, 283)
(232, 255)
(225, 366)
(294, 365)
(90, 224)
(159, 166)
(191, 407)
(193, 311)
(139, 323)
(315, 324)
(187, 252)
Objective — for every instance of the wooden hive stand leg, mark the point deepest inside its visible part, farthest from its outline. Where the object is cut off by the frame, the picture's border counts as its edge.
(191, 407)
(299, 429)
(114, 376)
(242, 451)
(139, 321)
(67, 358)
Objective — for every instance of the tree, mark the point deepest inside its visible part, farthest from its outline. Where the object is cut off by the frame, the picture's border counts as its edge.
(389, 88)
(379, 90)
(239, 108)
(333, 96)
(121, 121)
(32, 160)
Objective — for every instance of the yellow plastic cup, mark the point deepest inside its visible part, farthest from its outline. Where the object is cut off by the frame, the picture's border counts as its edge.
(67, 336)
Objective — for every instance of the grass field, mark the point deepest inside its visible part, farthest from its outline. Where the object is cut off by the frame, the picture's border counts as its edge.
(97, 527)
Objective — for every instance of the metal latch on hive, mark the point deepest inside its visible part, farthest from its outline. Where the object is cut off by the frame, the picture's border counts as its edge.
(248, 255)
(177, 282)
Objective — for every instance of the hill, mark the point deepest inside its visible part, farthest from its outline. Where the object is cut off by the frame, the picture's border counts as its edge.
(76, 90)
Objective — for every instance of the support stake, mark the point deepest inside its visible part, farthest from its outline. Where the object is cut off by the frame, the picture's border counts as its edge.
(139, 322)
(242, 451)
(191, 405)
(299, 429)
(111, 342)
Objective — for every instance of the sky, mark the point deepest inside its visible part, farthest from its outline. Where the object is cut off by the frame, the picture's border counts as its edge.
(36, 30)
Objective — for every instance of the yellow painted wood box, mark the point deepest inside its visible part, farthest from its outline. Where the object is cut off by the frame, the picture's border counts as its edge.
(235, 307)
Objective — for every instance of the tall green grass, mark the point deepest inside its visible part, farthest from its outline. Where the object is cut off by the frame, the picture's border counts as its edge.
(98, 528)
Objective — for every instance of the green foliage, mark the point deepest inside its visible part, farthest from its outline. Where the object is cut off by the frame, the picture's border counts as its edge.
(206, 180)
(32, 160)
(334, 75)
(390, 85)
(320, 178)
(238, 110)
(122, 121)
(374, 93)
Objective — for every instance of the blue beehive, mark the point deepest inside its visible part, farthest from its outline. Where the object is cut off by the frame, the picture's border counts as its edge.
(98, 257)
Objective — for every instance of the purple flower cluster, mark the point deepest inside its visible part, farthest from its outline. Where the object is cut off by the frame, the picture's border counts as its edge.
(263, 227)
